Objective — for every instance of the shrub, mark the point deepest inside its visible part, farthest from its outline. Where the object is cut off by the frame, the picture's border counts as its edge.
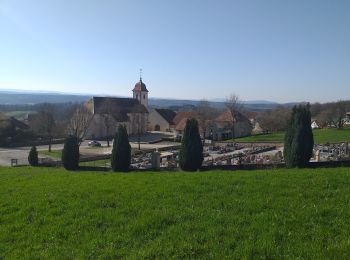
(121, 152)
(33, 157)
(191, 151)
(299, 141)
(70, 153)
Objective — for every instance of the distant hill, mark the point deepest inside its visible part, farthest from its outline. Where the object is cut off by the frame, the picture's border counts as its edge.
(17, 97)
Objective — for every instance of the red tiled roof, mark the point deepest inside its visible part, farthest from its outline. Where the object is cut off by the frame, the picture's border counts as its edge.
(227, 117)
(184, 114)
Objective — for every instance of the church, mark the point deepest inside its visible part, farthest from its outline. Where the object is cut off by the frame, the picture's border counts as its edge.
(110, 112)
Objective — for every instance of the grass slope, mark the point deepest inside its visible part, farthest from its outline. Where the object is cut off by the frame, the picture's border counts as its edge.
(51, 213)
(321, 136)
(57, 154)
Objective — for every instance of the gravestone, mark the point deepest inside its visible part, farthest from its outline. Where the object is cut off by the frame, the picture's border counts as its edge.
(156, 160)
(317, 156)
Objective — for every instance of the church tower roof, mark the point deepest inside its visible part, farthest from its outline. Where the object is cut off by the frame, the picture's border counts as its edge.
(140, 86)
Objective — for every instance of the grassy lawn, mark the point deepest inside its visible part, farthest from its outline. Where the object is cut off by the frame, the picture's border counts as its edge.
(19, 114)
(97, 163)
(52, 213)
(273, 137)
(321, 136)
(57, 154)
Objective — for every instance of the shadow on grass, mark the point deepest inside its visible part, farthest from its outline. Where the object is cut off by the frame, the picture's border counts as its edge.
(94, 168)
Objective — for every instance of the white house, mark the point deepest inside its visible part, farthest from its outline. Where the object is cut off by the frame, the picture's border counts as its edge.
(161, 120)
(314, 125)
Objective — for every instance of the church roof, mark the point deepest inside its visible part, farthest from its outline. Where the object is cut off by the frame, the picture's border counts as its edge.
(167, 114)
(140, 86)
(118, 107)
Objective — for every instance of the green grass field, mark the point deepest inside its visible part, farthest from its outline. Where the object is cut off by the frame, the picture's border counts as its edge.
(52, 213)
(57, 154)
(19, 114)
(321, 136)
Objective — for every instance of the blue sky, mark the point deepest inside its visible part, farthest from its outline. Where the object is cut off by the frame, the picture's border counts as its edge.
(278, 50)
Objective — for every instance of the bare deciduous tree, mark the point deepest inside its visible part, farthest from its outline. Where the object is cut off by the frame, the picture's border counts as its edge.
(333, 114)
(275, 120)
(79, 123)
(44, 122)
(339, 109)
(234, 106)
(205, 116)
(107, 118)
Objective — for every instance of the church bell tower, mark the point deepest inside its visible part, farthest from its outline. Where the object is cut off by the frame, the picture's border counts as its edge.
(140, 93)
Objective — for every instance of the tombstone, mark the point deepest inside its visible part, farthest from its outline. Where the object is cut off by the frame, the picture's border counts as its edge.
(279, 154)
(156, 160)
(14, 162)
(347, 149)
(317, 156)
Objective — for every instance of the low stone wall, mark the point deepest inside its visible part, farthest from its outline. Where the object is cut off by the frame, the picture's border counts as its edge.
(35, 143)
(313, 165)
(243, 167)
(330, 164)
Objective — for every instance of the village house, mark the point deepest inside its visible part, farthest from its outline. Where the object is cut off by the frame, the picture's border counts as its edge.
(219, 128)
(347, 118)
(161, 120)
(222, 127)
(109, 112)
(315, 125)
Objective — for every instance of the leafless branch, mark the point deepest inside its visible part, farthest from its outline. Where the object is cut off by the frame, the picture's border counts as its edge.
(79, 123)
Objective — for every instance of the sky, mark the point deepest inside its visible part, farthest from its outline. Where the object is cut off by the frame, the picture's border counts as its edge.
(276, 50)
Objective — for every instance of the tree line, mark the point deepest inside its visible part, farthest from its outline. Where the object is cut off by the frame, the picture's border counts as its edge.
(330, 114)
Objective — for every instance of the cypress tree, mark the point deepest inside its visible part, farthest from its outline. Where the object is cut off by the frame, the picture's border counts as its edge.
(70, 153)
(33, 157)
(191, 151)
(299, 141)
(121, 152)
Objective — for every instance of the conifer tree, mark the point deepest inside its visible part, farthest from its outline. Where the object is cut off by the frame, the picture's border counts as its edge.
(298, 141)
(33, 157)
(191, 151)
(121, 152)
(70, 153)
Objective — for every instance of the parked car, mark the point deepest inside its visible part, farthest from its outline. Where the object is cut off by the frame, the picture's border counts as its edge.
(94, 143)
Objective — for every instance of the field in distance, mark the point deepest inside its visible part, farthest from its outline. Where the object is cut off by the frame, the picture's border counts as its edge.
(52, 213)
(321, 136)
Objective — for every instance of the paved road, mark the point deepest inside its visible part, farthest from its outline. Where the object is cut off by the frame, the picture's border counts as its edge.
(21, 153)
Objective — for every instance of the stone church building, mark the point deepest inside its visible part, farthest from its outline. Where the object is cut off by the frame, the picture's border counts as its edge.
(109, 112)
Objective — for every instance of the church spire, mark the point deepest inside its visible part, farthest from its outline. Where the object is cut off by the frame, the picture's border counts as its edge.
(140, 75)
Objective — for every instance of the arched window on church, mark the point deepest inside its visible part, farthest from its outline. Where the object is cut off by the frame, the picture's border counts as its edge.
(144, 96)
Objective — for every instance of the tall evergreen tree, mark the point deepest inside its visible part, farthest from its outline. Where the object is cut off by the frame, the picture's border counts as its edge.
(33, 157)
(70, 153)
(121, 152)
(299, 141)
(191, 151)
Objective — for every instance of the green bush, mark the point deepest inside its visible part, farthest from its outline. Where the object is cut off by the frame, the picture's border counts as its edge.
(299, 141)
(70, 153)
(191, 151)
(121, 152)
(33, 157)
